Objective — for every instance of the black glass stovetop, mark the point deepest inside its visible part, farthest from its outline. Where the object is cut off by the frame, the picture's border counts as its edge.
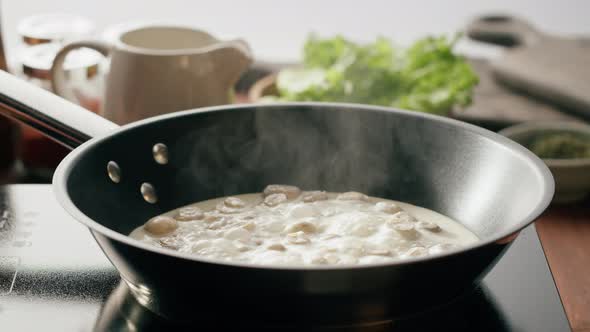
(53, 277)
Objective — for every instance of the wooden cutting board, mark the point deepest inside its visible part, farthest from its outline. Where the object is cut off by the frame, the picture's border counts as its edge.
(551, 68)
(496, 106)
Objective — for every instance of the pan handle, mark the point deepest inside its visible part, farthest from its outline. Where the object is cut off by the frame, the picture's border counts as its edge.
(55, 117)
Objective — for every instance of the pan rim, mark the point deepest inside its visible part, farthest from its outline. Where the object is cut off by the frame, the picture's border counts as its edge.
(59, 185)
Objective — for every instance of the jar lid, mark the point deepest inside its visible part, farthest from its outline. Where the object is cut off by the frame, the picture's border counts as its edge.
(51, 27)
(37, 60)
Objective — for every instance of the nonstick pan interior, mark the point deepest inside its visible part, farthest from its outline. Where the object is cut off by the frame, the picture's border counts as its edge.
(441, 165)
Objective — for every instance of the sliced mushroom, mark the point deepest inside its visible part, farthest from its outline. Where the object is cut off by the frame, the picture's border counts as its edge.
(221, 207)
(212, 217)
(249, 226)
(190, 213)
(325, 259)
(234, 202)
(416, 252)
(275, 199)
(297, 238)
(161, 225)
(303, 226)
(378, 252)
(172, 242)
(314, 196)
(405, 229)
(402, 216)
(352, 196)
(276, 246)
(387, 207)
(428, 226)
(291, 192)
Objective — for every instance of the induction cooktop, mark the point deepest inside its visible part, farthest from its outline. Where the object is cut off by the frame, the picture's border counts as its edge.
(54, 277)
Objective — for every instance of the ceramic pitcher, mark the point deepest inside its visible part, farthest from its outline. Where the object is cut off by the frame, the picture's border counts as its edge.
(162, 69)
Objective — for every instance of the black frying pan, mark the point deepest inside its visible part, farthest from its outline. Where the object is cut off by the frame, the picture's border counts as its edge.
(490, 184)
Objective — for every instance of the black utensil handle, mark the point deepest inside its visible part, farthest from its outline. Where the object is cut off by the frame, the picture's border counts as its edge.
(502, 30)
(55, 117)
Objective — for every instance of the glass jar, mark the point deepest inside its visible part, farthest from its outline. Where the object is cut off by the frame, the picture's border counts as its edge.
(53, 28)
(81, 68)
(41, 37)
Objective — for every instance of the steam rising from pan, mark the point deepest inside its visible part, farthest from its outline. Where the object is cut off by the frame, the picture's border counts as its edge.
(336, 150)
(442, 167)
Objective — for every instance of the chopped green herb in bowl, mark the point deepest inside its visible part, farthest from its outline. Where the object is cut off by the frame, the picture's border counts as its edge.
(565, 148)
(561, 146)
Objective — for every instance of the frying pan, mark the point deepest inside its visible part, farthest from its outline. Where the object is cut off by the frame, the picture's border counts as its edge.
(490, 184)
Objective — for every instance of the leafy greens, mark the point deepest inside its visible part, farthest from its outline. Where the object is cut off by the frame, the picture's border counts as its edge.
(426, 77)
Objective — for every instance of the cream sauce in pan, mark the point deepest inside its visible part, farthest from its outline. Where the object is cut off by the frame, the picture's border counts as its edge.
(285, 226)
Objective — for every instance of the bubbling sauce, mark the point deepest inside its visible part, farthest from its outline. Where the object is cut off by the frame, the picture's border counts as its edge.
(287, 226)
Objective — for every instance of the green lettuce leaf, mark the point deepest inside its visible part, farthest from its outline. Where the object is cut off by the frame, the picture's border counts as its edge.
(426, 77)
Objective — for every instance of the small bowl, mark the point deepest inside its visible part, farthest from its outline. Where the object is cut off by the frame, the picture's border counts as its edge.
(266, 86)
(572, 176)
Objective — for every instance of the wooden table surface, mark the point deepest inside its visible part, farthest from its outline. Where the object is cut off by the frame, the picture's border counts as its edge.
(564, 232)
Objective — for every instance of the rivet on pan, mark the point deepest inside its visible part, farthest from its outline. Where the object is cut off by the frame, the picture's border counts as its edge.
(114, 171)
(148, 192)
(160, 152)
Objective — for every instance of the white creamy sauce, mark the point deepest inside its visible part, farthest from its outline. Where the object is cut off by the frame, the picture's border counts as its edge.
(284, 226)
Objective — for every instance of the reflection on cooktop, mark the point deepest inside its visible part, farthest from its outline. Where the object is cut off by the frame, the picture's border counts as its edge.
(53, 277)
(476, 311)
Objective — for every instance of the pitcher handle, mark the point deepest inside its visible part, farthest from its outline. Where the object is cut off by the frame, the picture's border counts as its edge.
(58, 76)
